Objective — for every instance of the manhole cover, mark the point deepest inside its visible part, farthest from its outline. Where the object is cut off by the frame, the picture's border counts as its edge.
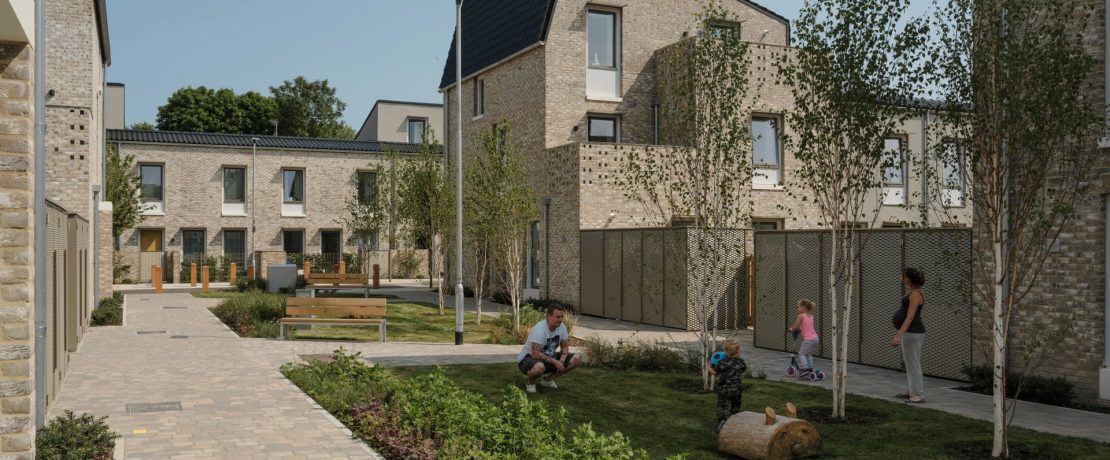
(174, 308)
(154, 407)
(150, 332)
(144, 298)
(179, 336)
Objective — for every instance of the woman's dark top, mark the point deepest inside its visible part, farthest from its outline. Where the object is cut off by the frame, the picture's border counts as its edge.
(916, 326)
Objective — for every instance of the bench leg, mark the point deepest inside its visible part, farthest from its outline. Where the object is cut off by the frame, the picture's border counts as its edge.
(381, 331)
(281, 329)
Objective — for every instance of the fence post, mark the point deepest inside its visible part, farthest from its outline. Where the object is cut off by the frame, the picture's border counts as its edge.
(204, 279)
(234, 273)
(156, 278)
(193, 274)
(377, 276)
(342, 267)
(307, 268)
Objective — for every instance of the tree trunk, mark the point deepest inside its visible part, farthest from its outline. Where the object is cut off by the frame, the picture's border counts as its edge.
(837, 382)
(1000, 448)
(749, 435)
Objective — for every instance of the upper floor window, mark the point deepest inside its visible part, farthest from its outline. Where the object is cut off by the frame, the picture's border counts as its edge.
(766, 152)
(952, 174)
(603, 129)
(292, 186)
(894, 172)
(235, 190)
(479, 97)
(367, 187)
(767, 224)
(417, 128)
(601, 34)
(723, 30)
(150, 180)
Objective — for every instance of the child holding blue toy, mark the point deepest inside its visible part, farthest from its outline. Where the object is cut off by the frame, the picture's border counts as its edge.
(730, 367)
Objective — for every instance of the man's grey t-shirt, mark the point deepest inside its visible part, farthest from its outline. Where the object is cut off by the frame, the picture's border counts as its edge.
(548, 339)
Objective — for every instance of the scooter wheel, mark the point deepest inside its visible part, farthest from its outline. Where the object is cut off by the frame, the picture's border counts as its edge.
(790, 372)
(812, 377)
(820, 375)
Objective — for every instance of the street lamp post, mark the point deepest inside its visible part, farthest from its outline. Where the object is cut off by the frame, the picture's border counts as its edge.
(254, 169)
(459, 293)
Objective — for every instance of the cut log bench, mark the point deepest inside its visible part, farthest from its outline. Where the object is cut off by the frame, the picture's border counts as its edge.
(755, 435)
(336, 281)
(334, 312)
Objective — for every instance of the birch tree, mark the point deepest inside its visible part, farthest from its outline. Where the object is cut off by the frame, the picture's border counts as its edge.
(513, 205)
(369, 206)
(699, 176)
(481, 210)
(1017, 78)
(855, 64)
(426, 204)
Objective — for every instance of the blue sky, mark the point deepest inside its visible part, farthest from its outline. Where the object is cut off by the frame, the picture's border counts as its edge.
(367, 49)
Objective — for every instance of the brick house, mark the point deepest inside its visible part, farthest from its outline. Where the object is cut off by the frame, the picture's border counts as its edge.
(577, 82)
(399, 121)
(198, 189)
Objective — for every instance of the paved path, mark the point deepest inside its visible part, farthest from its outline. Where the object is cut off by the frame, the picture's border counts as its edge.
(871, 381)
(235, 404)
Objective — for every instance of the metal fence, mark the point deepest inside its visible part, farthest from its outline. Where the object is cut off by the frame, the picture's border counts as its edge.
(644, 275)
(791, 265)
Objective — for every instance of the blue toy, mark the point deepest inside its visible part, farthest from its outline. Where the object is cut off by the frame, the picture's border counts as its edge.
(794, 369)
(717, 358)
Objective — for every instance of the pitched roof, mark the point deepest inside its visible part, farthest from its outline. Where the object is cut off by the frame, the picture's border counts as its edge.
(244, 140)
(494, 30)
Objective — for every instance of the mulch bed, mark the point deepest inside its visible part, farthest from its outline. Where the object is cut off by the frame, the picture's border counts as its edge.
(852, 416)
(982, 450)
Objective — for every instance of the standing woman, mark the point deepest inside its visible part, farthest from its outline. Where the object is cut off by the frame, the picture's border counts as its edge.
(911, 333)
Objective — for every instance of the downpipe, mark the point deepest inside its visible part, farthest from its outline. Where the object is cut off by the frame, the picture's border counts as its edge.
(40, 213)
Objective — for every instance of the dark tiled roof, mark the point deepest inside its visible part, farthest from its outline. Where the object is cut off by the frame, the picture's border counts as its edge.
(494, 30)
(244, 140)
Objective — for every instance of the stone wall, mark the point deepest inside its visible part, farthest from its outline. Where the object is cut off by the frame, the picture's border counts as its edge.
(16, 249)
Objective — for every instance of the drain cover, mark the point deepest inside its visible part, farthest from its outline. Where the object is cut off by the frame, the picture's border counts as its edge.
(150, 332)
(174, 308)
(144, 298)
(154, 407)
(179, 336)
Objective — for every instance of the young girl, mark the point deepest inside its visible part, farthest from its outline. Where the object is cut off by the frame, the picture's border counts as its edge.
(810, 341)
(730, 388)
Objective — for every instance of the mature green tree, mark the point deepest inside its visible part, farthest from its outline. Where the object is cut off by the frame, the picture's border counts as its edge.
(704, 92)
(425, 205)
(142, 126)
(310, 109)
(122, 189)
(203, 109)
(1018, 79)
(855, 60)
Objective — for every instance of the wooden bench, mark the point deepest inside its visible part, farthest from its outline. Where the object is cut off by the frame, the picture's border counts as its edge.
(335, 281)
(325, 311)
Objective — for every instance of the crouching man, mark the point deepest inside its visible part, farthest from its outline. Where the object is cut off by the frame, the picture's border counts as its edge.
(546, 354)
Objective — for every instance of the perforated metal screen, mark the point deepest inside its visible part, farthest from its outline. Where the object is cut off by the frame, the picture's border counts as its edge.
(790, 265)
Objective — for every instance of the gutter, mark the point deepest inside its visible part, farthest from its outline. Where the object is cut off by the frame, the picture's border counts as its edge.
(40, 213)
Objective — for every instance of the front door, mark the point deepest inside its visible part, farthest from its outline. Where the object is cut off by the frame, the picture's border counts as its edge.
(150, 253)
(331, 247)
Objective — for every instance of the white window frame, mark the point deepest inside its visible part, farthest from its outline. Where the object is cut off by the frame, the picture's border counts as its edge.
(231, 208)
(600, 116)
(953, 196)
(894, 193)
(153, 208)
(603, 83)
(722, 25)
(423, 132)
(764, 178)
(294, 209)
(778, 223)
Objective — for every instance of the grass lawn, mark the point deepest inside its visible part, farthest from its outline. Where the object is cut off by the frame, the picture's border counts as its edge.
(666, 414)
(408, 322)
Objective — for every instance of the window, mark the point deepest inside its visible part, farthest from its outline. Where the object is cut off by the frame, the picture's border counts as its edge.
(150, 188)
(894, 172)
(603, 129)
(766, 224)
(479, 97)
(766, 155)
(192, 244)
(603, 54)
(293, 186)
(292, 241)
(534, 255)
(235, 190)
(367, 187)
(417, 128)
(723, 30)
(952, 179)
(367, 240)
(894, 225)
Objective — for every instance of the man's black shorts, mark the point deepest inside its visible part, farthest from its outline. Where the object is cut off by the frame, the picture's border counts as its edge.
(526, 364)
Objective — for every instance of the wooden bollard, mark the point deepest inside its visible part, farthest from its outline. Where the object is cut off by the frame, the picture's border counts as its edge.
(342, 267)
(764, 435)
(307, 268)
(156, 278)
(234, 273)
(204, 279)
(193, 274)
(377, 276)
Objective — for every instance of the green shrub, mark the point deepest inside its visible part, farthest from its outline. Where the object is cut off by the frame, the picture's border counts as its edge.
(640, 356)
(431, 416)
(1056, 391)
(408, 264)
(353, 262)
(501, 297)
(542, 304)
(245, 284)
(120, 270)
(244, 313)
(503, 332)
(109, 312)
(71, 437)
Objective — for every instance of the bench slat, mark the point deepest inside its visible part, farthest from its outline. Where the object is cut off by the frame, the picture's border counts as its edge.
(330, 321)
(334, 302)
(336, 311)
